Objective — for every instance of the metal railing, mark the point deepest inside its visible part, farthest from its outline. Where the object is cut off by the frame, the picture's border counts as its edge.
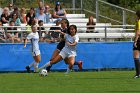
(108, 31)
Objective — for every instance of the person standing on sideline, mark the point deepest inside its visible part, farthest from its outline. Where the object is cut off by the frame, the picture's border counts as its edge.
(34, 37)
(68, 53)
(136, 47)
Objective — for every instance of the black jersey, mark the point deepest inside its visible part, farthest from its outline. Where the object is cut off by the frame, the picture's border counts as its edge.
(55, 34)
(62, 43)
(138, 45)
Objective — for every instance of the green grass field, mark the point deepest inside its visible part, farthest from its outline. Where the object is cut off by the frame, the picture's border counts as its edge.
(75, 82)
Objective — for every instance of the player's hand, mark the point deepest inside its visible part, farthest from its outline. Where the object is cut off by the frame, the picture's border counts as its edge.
(68, 43)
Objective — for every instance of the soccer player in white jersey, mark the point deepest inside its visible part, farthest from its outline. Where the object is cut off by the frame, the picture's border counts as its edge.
(68, 53)
(34, 37)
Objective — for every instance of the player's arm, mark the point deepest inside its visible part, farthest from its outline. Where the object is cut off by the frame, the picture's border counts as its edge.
(72, 44)
(26, 39)
(60, 32)
(137, 34)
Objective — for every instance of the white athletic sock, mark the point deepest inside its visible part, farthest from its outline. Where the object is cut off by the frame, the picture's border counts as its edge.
(68, 70)
(46, 65)
(32, 64)
(35, 66)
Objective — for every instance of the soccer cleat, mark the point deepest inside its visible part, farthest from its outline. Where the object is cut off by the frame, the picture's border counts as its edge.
(67, 72)
(136, 76)
(80, 65)
(28, 69)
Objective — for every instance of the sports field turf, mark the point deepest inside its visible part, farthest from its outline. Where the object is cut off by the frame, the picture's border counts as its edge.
(75, 82)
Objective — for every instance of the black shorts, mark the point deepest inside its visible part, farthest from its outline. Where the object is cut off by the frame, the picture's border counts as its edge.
(138, 46)
(60, 45)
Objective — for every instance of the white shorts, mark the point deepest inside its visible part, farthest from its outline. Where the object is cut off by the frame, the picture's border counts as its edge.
(36, 53)
(64, 54)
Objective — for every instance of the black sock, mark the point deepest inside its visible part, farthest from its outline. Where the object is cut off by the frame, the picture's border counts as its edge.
(137, 66)
(48, 68)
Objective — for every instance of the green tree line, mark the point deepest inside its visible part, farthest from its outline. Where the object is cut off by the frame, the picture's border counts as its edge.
(130, 4)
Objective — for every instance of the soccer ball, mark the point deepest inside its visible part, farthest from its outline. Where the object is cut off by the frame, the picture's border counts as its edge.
(43, 73)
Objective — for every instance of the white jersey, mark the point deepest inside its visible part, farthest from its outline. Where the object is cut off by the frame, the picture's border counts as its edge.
(70, 49)
(34, 37)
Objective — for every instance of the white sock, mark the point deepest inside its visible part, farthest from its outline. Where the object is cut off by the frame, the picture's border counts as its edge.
(68, 70)
(35, 66)
(32, 64)
(46, 65)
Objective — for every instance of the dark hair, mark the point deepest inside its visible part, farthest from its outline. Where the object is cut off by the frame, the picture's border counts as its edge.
(56, 6)
(11, 21)
(74, 26)
(14, 15)
(138, 13)
(41, 8)
(40, 21)
(15, 8)
(66, 21)
(32, 9)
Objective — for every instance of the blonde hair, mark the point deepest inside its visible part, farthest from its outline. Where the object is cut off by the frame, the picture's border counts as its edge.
(6, 8)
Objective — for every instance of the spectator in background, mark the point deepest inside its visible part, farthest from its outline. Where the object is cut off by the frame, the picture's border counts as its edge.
(40, 23)
(10, 6)
(1, 10)
(15, 19)
(30, 17)
(91, 25)
(44, 35)
(40, 32)
(2, 34)
(12, 34)
(55, 35)
(23, 15)
(16, 11)
(5, 16)
(41, 16)
(40, 6)
(48, 14)
(59, 13)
